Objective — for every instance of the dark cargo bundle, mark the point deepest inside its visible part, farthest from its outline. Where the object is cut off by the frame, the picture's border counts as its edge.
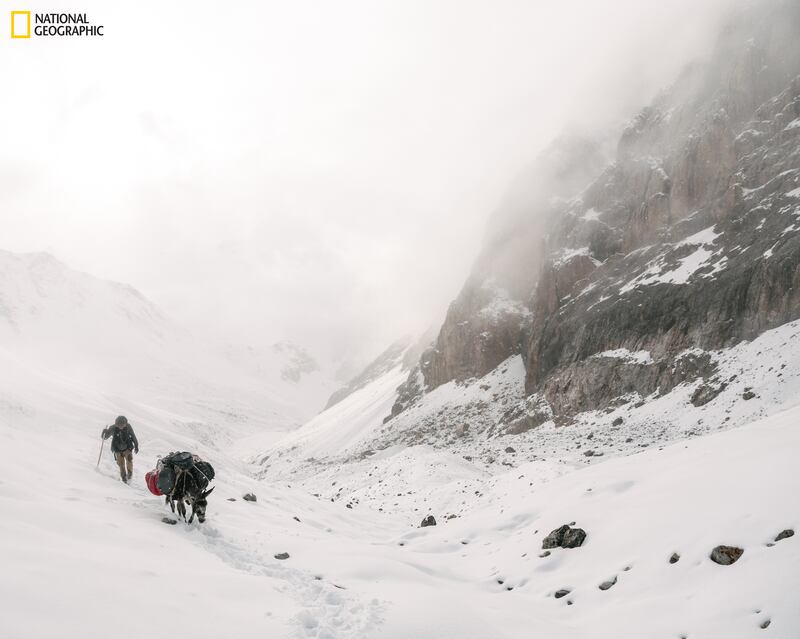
(173, 465)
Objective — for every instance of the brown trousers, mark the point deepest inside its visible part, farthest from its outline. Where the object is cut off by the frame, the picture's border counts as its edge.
(125, 458)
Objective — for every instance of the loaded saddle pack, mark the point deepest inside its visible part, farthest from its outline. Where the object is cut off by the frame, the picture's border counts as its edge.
(175, 469)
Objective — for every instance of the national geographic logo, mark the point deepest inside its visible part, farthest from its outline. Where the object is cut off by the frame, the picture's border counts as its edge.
(52, 25)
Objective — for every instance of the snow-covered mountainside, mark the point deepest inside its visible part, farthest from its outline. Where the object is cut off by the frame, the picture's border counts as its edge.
(687, 239)
(94, 554)
(660, 308)
(107, 336)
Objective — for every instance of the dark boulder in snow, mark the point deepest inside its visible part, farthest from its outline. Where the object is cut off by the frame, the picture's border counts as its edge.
(561, 593)
(617, 422)
(607, 584)
(574, 538)
(564, 537)
(430, 520)
(705, 393)
(748, 394)
(726, 555)
(675, 558)
(249, 497)
(554, 539)
(510, 449)
(169, 520)
(282, 555)
(785, 534)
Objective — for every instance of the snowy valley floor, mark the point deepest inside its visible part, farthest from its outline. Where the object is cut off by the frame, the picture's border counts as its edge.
(82, 555)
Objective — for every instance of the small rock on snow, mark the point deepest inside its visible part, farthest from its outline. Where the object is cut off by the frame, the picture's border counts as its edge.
(726, 555)
(564, 537)
(675, 558)
(785, 534)
(249, 497)
(561, 593)
(430, 520)
(607, 584)
(282, 555)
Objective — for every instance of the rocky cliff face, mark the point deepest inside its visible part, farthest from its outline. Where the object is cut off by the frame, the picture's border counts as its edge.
(605, 279)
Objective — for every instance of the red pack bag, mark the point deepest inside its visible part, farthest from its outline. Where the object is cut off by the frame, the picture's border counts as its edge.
(151, 479)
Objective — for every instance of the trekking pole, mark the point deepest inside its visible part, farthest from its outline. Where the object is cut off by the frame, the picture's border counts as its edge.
(102, 444)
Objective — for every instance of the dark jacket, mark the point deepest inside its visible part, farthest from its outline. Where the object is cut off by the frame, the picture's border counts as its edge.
(122, 438)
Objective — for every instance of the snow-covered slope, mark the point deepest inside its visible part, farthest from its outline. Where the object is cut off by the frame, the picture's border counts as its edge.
(107, 336)
(94, 554)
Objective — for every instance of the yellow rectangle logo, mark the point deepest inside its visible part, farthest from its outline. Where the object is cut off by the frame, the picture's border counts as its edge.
(20, 24)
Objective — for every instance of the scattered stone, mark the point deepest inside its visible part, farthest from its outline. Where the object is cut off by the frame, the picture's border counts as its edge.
(249, 497)
(231, 498)
(561, 593)
(765, 624)
(705, 393)
(564, 537)
(574, 538)
(169, 520)
(726, 555)
(617, 422)
(282, 555)
(588, 453)
(770, 544)
(675, 558)
(296, 518)
(509, 449)
(607, 584)
(748, 394)
(785, 534)
(430, 520)
(629, 440)
(546, 553)
(554, 539)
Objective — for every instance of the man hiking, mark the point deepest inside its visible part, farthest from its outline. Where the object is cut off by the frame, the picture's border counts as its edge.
(123, 441)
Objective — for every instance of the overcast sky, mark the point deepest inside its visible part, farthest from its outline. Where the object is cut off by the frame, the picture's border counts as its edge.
(318, 171)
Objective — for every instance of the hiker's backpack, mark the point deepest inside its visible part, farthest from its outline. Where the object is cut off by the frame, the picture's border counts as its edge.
(122, 440)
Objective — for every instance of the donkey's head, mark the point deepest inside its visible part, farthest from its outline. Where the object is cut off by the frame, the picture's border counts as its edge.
(198, 505)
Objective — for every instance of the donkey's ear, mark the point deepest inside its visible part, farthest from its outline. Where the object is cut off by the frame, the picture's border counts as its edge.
(208, 492)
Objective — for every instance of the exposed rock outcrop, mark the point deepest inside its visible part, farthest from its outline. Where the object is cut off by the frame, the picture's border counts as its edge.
(619, 283)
